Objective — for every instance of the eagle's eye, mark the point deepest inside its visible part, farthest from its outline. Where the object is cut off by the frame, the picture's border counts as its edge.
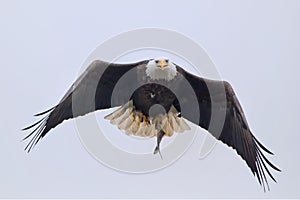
(156, 61)
(167, 60)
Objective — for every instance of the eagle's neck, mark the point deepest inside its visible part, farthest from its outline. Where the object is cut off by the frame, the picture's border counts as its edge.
(155, 73)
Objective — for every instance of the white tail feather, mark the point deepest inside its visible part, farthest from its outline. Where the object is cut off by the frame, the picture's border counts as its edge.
(126, 123)
(122, 117)
(135, 123)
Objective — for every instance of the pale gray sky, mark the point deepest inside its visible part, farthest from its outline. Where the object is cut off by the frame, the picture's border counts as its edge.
(255, 46)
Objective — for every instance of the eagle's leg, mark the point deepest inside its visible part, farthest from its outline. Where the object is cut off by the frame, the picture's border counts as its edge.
(160, 135)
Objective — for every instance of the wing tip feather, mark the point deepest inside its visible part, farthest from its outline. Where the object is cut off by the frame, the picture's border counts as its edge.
(261, 161)
(44, 112)
(38, 132)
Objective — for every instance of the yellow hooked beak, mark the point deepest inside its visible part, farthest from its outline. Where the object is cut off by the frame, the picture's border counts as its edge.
(162, 64)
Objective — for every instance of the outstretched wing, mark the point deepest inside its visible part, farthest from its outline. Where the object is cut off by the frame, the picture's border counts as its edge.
(91, 91)
(217, 99)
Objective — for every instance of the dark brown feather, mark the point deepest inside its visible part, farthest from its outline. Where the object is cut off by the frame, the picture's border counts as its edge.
(235, 132)
(90, 92)
(209, 104)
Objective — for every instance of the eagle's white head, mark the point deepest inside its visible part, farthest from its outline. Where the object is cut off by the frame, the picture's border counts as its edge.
(161, 69)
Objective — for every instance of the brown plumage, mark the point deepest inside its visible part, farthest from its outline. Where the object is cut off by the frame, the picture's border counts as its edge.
(209, 104)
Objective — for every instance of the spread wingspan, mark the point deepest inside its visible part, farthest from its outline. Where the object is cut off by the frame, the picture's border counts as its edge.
(216, 102)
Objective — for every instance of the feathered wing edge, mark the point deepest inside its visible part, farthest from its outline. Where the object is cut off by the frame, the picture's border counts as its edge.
(236, 133)
(63, 110)
(39, 130)
(238, 136)
(261, 166)
(51, 118)
(254, 157)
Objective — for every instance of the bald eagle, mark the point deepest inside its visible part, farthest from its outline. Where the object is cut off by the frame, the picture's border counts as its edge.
(155, 98)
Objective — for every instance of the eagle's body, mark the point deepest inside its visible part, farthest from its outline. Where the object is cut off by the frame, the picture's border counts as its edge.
(155, 99)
